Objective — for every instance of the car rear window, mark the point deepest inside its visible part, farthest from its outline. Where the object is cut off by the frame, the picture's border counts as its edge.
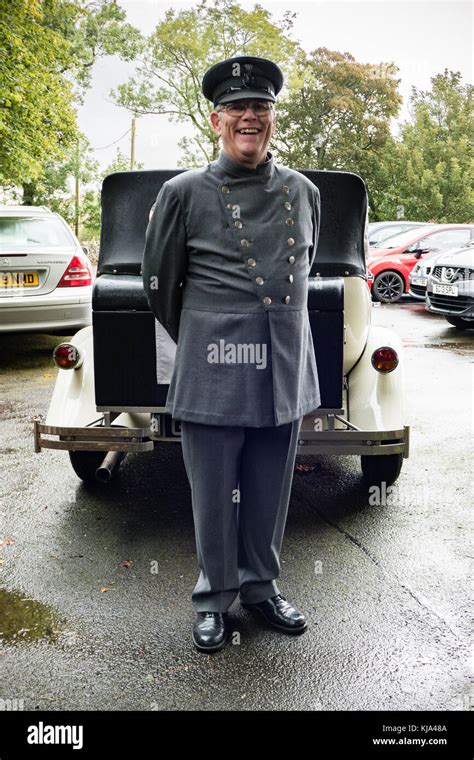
(29, 232)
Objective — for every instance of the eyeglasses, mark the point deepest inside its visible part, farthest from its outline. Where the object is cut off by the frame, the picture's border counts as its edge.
(260, 107)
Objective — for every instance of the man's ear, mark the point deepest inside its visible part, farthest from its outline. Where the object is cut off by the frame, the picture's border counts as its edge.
(216, 123)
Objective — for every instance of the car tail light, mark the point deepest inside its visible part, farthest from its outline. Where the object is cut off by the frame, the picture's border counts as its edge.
(68, 356)
(77, 273)
(384, 359)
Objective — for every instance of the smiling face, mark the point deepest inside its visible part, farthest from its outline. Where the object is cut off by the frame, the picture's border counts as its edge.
(245, 138)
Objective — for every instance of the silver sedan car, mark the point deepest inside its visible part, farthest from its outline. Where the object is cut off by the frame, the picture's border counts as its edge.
(45, 275)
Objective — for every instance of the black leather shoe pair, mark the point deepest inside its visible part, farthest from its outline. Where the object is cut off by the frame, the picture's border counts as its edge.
(210, 631)
(280, 614)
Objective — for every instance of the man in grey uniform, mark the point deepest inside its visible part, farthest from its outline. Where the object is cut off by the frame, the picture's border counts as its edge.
(228, 252)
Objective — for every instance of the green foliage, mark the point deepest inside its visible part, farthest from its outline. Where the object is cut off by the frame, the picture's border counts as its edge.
(433, 166)
(182, 47)
(91, 30)
(37, 118)
(90, 202)
(333, 113)
(337, 116)
(90, 216)
(55, 188)
(47, 50)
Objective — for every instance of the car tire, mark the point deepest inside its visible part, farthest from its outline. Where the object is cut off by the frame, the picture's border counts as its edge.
(85, 463)
(381, 468)
(388, 287)
(460, 323)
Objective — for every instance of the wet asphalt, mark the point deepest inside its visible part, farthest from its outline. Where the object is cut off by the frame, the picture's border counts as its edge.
(95, 583)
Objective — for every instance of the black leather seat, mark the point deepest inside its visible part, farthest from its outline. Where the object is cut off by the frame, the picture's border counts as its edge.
(124, 292)
(119, 292)
(326, 317)
(124, 341)
(124, 326)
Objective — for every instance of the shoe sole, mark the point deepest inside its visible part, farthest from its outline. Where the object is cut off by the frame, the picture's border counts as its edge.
(282, 628)
(215, 648)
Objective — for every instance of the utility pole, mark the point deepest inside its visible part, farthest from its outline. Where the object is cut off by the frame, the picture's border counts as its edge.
(76, 193)
(132, 146)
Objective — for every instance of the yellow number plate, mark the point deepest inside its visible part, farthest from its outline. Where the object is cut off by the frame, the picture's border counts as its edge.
(18, 279)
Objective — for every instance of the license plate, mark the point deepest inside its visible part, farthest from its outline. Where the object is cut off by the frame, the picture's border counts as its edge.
(419, 280)
(445, 290)
(164, 426)
(18, 279)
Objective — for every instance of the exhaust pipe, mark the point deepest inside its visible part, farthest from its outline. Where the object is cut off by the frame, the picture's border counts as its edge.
(108, 466)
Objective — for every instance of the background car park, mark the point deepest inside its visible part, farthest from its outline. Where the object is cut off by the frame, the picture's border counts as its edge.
(45, 276)
(390, 266)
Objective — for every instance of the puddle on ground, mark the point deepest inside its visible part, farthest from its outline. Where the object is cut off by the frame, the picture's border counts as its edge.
(25, 619)
(454, 346)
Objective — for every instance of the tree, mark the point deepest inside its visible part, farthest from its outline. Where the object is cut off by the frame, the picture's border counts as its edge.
(337, 116)
(55, 187)
(47, 50)
(37, 118)
(182, 47)
(90, 206)
(92, 29)
(433, 168)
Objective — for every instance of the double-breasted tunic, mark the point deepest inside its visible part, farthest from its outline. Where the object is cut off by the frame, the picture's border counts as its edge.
(226, 263)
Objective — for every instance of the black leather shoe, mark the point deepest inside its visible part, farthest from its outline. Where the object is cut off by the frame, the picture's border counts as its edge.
(280, 614)
(210, 631)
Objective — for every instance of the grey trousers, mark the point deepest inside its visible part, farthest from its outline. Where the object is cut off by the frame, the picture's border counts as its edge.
(240, 479)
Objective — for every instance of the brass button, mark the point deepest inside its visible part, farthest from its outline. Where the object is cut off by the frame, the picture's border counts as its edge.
(287, 205)
(290, 241)
(267, 300)
(225, 189)
(290, 278)
(290, 222)
(291, 259)
(238, 223)
(251, 262)
(230, 205)
(285, 189)
(259, 280)
(286, 299)
(244, 243)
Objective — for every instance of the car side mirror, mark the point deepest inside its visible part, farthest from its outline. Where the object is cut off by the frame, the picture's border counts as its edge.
(420, 252)
(86, 250)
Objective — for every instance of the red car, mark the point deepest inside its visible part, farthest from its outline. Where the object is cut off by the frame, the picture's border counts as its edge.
(388, 267)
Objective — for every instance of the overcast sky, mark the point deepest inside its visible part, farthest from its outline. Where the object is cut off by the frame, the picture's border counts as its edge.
(421, 38)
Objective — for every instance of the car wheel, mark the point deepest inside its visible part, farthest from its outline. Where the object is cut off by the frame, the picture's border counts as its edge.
(85, 463)
(381, 468)
(460, 323)
(388, 287)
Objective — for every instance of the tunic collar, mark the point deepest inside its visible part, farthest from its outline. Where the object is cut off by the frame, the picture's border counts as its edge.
(229, 166)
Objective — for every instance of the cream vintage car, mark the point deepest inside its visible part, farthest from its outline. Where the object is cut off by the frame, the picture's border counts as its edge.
(113, 377)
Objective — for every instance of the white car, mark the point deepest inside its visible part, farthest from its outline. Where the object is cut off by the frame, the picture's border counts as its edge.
(450, 289)
(45, 275)
(113, 379)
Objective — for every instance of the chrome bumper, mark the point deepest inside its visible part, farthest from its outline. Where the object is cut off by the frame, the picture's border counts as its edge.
(104, 438)
(332, 441)
(352, 440)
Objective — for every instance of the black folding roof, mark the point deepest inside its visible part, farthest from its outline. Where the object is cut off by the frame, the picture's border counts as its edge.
(127, 198)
